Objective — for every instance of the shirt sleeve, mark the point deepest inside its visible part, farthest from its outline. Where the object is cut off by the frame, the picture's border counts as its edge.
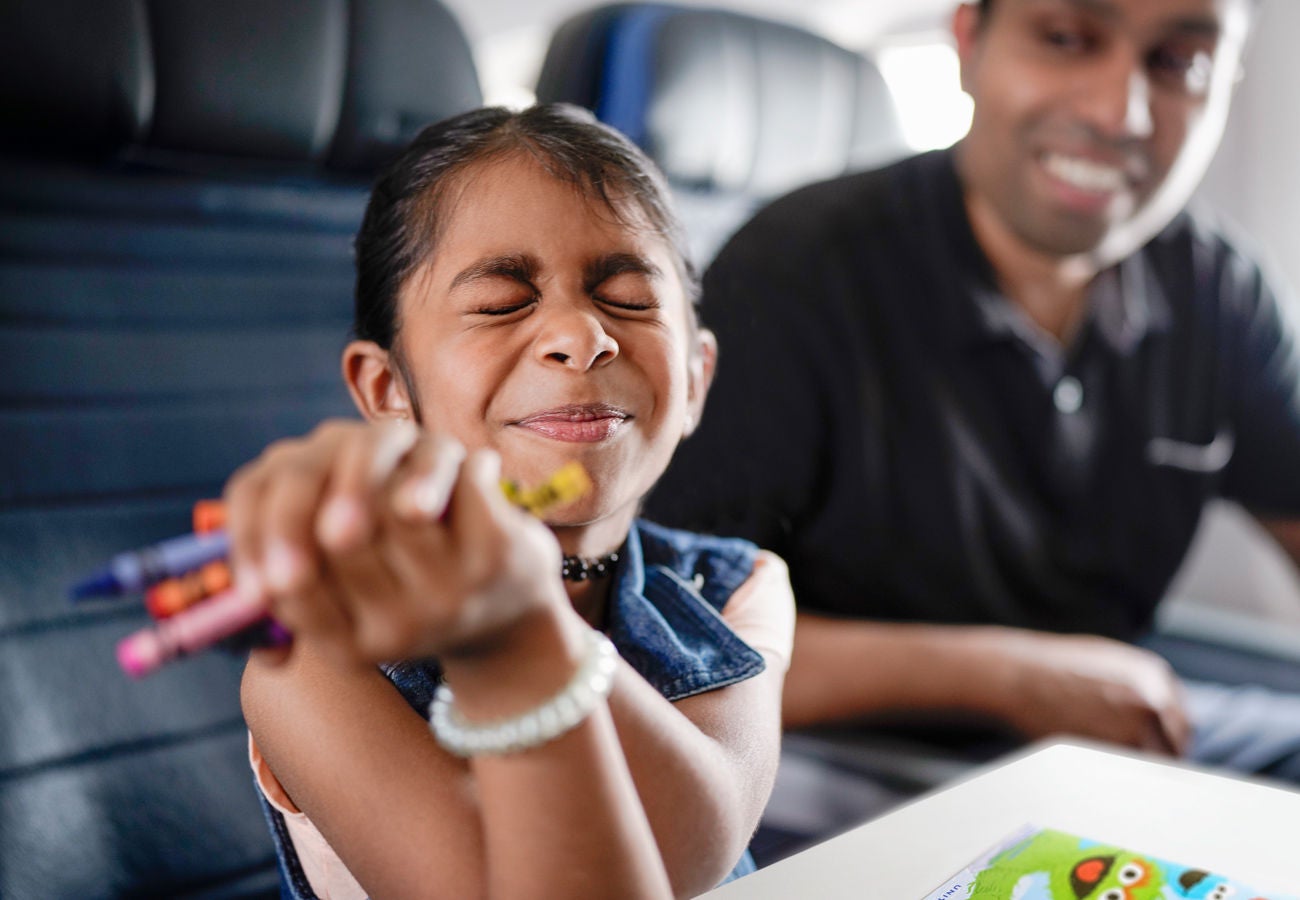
(1264, 472)
(761, 610)
(329, 878)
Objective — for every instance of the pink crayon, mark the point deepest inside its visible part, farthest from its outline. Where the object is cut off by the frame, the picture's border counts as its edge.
(197, 628)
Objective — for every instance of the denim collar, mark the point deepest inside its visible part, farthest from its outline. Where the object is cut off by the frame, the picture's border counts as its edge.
(664, 611)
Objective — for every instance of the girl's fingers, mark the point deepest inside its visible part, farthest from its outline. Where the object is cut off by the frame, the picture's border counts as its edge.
(349, 511)
(485, 529)
(477, 503)
(241, 498)
(372, 596)
(292, 565)
(429, 476)
(256, 520)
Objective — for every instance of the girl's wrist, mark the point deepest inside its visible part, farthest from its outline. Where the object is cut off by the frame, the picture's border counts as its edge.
(523, 665)
(563, 711)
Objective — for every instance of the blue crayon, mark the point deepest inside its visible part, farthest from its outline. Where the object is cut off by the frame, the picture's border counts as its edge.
(137, 570)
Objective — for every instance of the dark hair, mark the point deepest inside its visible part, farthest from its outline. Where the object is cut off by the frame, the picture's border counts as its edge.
(403, 219)
(986, 5)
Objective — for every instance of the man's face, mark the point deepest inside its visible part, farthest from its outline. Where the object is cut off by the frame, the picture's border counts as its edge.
(1094, 119)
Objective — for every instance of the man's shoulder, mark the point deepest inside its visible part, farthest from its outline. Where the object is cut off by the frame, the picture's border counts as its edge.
(1201, 244)
(846, 207)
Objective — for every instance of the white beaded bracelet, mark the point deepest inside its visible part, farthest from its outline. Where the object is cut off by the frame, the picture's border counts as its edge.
(590, 684)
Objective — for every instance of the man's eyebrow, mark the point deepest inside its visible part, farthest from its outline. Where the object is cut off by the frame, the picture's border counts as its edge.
(517, 267)
(605, 267)
(1198, 26)
(1192, 25)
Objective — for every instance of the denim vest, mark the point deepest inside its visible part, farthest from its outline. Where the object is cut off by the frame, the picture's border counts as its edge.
(663, 617)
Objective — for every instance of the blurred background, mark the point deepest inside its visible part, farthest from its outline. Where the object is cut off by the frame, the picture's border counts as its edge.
(1254, 183)
(180, 182)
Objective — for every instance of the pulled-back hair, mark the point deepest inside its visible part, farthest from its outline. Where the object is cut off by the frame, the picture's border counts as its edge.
(405, 216)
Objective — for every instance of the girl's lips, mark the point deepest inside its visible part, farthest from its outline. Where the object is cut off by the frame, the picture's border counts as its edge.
(576, 424)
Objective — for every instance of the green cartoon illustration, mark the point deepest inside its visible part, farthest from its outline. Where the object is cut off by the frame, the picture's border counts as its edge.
(1052, 865)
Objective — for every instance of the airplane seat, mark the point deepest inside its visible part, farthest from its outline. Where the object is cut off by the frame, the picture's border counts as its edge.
(179, 185)
(736, 109)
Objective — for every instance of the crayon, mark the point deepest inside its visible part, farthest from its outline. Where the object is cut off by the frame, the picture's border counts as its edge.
(208, 515)
(135, 570)
(166, 598)
(267, 633)
(189, 631)
(566, 484)
(228, 618)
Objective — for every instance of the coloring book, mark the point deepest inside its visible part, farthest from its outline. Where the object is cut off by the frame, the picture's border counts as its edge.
(1044, 864)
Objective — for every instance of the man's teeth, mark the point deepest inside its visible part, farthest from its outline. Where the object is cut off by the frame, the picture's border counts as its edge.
(1085, 174)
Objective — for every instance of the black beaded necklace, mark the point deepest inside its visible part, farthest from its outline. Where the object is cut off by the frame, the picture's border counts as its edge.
(579, 568)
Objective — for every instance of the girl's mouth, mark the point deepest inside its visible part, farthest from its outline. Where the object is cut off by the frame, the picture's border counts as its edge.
(583, 424)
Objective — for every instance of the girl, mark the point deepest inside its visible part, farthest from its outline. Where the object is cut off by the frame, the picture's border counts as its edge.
(523, 301)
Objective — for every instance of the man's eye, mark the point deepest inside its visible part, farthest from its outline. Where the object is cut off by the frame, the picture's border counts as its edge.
(1184, 68)
(1067, 40)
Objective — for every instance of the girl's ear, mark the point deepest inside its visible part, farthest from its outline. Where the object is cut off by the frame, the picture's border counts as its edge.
(700, 368)
(376, 385)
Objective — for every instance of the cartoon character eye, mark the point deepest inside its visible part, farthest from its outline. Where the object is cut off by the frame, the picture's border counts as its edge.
(1132, 873)
(1222, 892)
(1114, 894)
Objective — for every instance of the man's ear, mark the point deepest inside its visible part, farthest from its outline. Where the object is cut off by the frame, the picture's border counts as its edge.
(967, 21)
(700, 368)
(373, 379)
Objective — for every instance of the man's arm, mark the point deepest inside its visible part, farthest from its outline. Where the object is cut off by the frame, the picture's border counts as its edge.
(1039, 684)
(1287, 534)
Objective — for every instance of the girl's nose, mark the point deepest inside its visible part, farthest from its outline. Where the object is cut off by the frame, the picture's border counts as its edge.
(575, 338)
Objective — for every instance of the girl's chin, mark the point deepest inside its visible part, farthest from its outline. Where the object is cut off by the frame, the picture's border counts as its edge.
(593, 513)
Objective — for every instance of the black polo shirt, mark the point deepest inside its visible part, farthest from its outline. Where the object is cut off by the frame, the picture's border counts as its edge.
(917, 450)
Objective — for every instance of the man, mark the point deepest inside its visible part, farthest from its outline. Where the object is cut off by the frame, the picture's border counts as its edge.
(978, 399)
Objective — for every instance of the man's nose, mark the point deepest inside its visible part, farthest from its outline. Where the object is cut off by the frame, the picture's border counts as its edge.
(1118, 103)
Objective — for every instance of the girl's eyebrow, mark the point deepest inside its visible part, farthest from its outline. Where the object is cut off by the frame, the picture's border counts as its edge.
(517, 267)
(605, 267)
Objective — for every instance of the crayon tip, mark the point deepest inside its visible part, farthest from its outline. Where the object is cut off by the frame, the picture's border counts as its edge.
(101, 584)
(140, 654)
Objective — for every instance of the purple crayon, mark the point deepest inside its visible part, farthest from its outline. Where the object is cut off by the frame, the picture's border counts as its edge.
(137, 570)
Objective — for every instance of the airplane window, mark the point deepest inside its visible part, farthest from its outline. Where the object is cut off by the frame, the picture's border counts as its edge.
(923, 77)
(508, 62)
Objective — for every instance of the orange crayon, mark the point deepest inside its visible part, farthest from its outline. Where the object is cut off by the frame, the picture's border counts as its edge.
(208, 515)
(171, 596)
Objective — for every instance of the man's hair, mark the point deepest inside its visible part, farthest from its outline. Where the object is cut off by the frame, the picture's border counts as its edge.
(986, 5)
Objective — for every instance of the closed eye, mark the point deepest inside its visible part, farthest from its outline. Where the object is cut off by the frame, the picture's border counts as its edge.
(629, 305)
(502, 309)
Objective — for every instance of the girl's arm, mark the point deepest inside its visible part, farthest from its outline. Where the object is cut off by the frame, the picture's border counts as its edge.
(404, 815)
(410, 820)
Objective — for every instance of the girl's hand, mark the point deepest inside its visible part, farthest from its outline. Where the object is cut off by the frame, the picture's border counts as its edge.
(382, 542)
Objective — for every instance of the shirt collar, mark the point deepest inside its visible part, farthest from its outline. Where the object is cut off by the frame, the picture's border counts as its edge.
(1126, 302)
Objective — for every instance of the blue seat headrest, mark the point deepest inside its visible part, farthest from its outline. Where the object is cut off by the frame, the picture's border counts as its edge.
(721, 100)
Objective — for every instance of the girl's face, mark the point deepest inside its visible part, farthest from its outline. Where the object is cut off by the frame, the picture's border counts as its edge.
(548, 331)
